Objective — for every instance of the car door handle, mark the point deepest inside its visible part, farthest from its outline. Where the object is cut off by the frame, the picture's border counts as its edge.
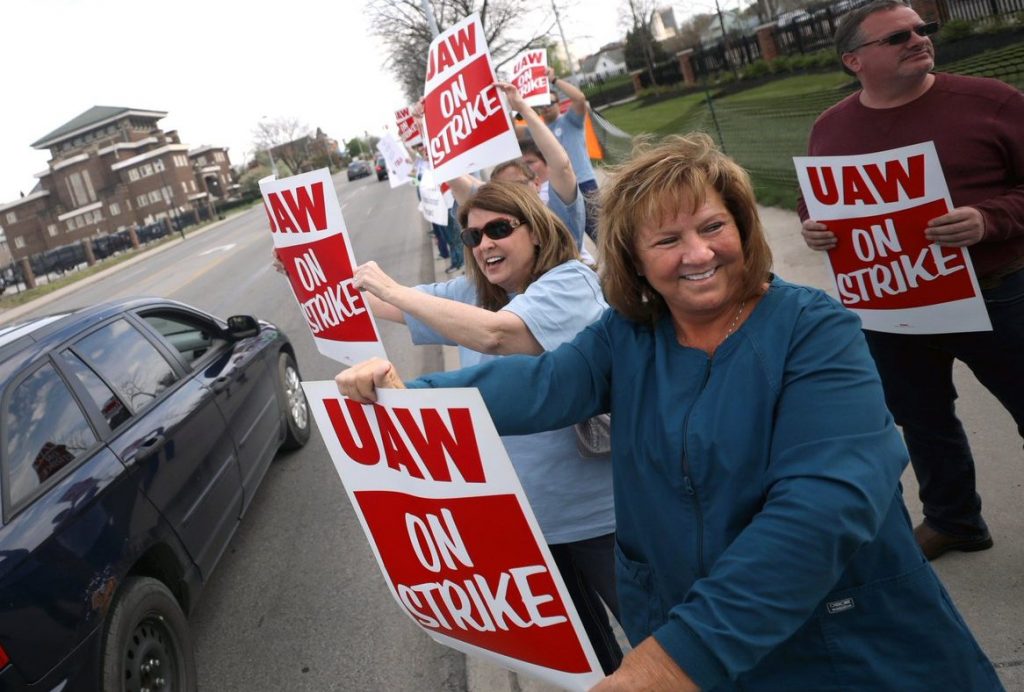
(220, 384)
(150, 447)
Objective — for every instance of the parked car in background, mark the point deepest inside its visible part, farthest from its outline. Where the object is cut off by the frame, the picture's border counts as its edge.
(358, 169)
(382, 169)
(133, 436)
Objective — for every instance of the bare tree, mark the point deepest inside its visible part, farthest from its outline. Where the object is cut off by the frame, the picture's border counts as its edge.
(638, 15)
(276, 134)
(510, 26)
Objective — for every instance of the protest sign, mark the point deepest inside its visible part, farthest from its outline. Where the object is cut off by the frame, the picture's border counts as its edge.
(396, 158)
(408, 130)
(434, 204)
(452, 530)
(311, 241)
(530, 77)
(467, 125)
(885, 269)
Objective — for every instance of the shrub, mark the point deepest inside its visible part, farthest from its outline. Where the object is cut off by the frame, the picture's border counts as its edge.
(956, 29)
(758, 68)
(783, 63)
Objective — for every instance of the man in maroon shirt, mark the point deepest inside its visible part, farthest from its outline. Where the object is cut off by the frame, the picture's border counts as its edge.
(977, 126)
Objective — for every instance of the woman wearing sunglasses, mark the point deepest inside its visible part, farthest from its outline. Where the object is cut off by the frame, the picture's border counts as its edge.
(761, 539)
(525, 292)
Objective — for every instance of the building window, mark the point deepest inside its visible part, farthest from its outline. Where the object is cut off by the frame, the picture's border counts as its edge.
(52, 230)
(114, 209)
(154, 196)
(193, 183)
(71, 224)
(19, 242)
(141, 201)
(11, 217)
(88, 186)
(133, 175)
(80, 188)
(146, 170)
(168, 193)
(79, 221)
(158, 165)
(184, 187)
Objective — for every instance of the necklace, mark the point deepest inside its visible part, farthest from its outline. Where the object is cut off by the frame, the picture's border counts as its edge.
(735, 322)
(732, 328)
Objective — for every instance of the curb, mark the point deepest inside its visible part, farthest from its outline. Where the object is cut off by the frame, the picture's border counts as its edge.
(19, 310)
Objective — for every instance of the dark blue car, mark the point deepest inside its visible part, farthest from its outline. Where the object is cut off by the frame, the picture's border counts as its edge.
(133, 438)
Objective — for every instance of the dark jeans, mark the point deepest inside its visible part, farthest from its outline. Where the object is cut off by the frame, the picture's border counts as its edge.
(452, 232)
(588, 570)
(917, 375)
(440, 235)
(590, 204)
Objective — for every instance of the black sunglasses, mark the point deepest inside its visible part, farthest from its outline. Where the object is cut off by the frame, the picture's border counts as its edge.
(903, 36)
(495, 230)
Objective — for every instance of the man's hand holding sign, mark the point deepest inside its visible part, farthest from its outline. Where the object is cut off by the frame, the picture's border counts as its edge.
(895, 245)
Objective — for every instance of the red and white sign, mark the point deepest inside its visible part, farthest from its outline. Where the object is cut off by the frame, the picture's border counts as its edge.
(396, 158)
(408, 130)
(467, 124)
(452, 530)
(885, 269)
(530, 77)
(311, 241)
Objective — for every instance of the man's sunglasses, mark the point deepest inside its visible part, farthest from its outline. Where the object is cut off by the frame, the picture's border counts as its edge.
(901, 37)
(495, 230)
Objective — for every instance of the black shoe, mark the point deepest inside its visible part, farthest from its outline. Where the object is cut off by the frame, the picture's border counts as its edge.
(935, 544)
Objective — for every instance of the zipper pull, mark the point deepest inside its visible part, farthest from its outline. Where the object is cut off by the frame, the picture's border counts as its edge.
(689, 485)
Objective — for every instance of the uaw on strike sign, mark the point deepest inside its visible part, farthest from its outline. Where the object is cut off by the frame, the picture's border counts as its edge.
(467, 125)
(311, 241)
(885, 269)
(452, 530)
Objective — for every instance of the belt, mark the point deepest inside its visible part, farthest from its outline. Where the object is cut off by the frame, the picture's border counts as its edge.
(997, 277)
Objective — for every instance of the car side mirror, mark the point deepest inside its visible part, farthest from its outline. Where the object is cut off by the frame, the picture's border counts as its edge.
(242, 326)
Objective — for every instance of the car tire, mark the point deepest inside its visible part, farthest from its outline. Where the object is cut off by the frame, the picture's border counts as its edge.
(294, 407)
(146, 642)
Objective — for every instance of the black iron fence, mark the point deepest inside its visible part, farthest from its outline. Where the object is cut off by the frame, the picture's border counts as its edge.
(52, 264)
(974, 10)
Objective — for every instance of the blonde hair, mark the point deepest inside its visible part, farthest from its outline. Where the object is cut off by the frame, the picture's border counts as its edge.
(654, 185)
(555, 243)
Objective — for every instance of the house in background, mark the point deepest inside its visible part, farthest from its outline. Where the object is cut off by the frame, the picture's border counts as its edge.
(607, 62)
(113, 168)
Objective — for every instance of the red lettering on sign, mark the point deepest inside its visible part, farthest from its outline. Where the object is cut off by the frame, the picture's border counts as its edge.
(890, 182)
(452, 50)
(896, 178)
(363, 451)
(298, 208)
(435, 440)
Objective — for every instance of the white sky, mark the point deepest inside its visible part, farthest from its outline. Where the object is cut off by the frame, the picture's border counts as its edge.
(214, 66)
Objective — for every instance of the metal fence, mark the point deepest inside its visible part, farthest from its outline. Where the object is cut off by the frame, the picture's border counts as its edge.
(974, 10)
(54, 263)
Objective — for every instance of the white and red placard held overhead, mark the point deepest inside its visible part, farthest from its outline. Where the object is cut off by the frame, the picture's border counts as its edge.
(408, 130)
(467, 125)
(397, 160)
(451, 528)
(884, 267)
(530, 77)
(312, 242)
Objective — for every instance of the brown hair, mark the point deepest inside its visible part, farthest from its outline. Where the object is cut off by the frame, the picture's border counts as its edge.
(847, 36)
(555, 243)
(518, 164)
(654, 185)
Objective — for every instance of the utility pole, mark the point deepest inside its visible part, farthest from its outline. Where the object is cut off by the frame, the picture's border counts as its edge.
(428, 11)
(561, 32)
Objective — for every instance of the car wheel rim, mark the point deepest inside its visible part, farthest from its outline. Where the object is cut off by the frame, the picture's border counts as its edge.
(150, 662)
(296, 399)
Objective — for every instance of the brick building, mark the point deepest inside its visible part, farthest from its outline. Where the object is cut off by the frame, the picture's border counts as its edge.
(110, 169)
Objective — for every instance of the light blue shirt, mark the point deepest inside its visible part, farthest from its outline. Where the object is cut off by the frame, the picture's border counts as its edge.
(571, 496)
(568, 128)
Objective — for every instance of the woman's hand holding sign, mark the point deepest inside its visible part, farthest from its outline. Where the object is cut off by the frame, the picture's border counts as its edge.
(962, 227)
(361, 381)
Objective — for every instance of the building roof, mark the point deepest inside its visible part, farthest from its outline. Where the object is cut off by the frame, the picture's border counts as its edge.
(615, 55)
(90, 119)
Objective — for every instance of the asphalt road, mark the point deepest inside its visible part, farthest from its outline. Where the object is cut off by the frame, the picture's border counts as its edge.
(298, 602)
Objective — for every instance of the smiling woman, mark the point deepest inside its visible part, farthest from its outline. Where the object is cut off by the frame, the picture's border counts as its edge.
(761, 538)
(526, 292)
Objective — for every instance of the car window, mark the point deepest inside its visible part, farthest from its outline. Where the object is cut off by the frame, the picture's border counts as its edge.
(45, 431)
(131, 364)
(191, 337)
(112, 408)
